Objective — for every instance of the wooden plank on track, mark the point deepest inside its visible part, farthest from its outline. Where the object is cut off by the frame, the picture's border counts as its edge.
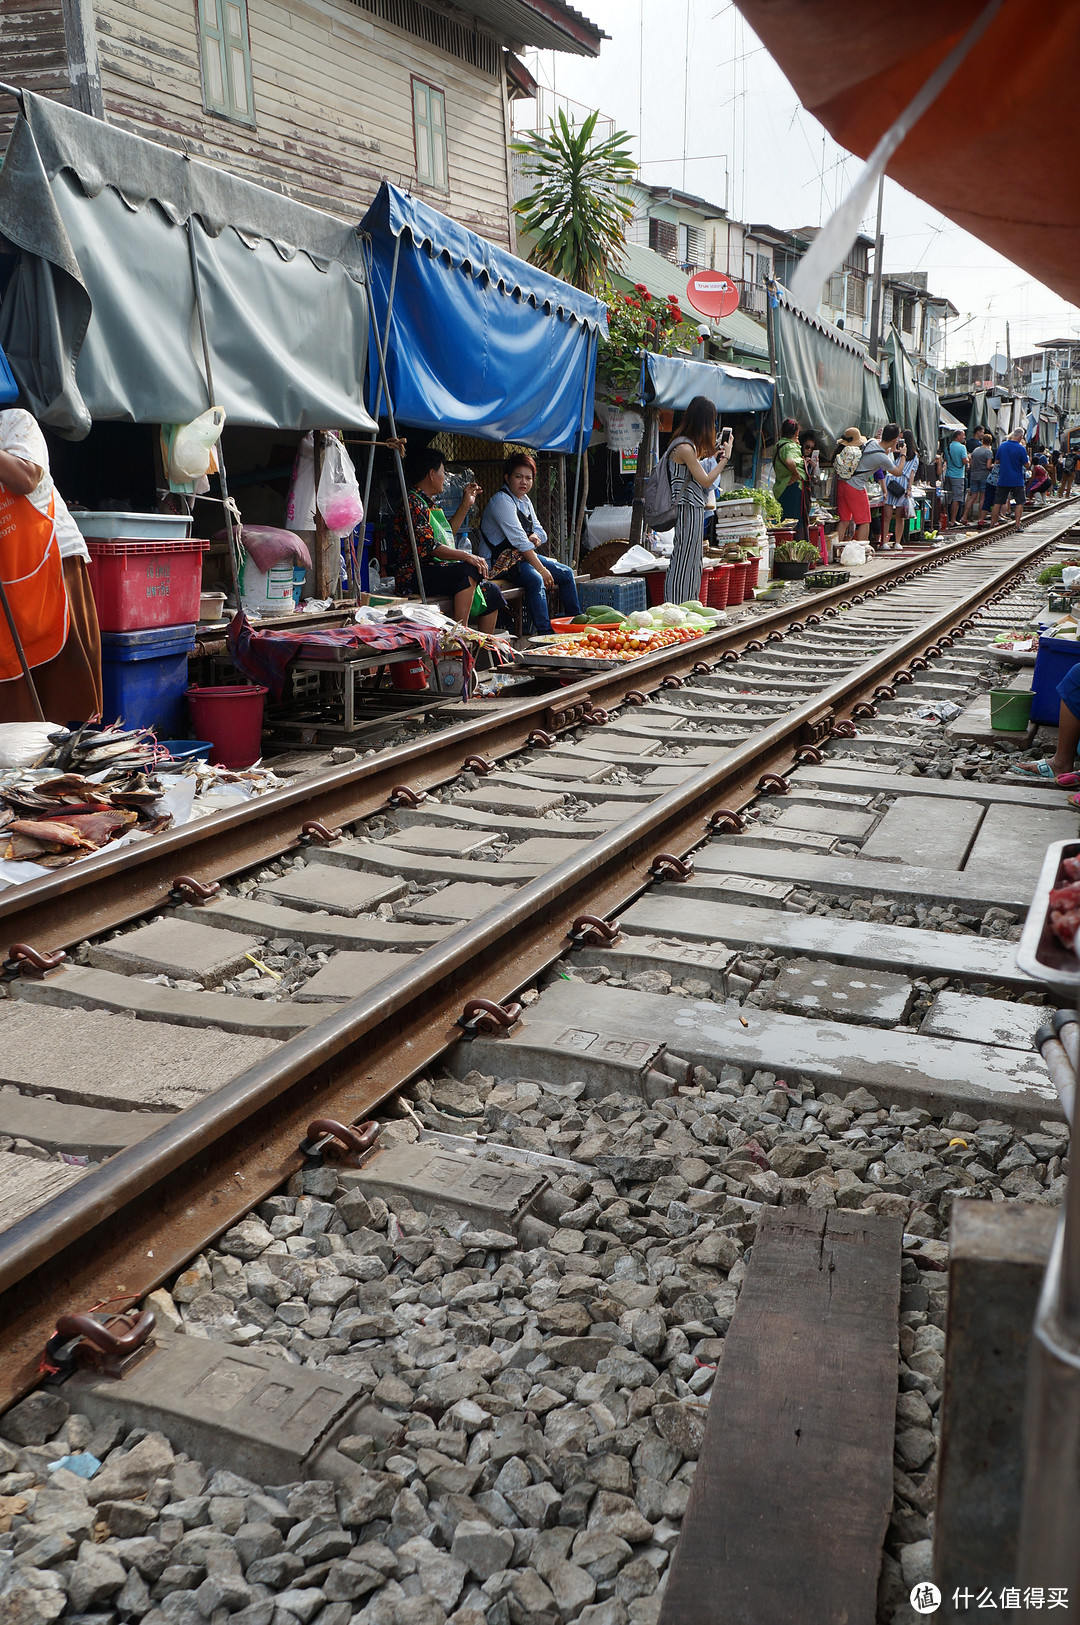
(794, 1484)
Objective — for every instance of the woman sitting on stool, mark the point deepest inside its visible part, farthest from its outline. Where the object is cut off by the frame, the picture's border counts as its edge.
(447, 570)
(513, 537)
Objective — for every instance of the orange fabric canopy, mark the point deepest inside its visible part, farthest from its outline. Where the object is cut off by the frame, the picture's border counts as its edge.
(979, 152)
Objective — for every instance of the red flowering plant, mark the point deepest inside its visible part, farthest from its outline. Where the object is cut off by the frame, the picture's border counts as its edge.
(637, 321)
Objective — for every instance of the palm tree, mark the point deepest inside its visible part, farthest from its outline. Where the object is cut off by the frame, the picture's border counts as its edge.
(576, 212)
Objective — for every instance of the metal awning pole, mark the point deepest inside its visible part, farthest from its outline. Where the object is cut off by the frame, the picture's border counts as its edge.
(385, 388)
(590, 363)
(369, 267)
(220, 455)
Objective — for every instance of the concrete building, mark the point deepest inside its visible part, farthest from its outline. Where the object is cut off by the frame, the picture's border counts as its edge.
(919, 317)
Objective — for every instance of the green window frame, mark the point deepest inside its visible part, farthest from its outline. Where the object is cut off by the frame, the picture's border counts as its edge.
(429, 135)
(226, 59)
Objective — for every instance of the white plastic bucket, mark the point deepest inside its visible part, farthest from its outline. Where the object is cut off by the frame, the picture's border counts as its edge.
(268, 592)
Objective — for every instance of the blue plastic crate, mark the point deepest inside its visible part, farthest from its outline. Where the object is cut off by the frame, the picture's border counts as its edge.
(1056, 656)
(626, 593)
(143, 678)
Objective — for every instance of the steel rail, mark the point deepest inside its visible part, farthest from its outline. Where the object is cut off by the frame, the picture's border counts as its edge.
(113, 887)
(128, 1225)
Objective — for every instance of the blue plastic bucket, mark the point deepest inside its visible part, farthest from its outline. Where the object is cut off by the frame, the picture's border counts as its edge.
(187, 750)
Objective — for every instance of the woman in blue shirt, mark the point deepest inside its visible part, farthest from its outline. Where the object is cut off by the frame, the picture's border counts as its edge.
(512, 537)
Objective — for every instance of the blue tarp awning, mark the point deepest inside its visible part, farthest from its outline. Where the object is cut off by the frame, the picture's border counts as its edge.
(671, 381)
(480, 342)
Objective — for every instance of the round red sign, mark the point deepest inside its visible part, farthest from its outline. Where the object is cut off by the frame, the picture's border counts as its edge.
(713, 293)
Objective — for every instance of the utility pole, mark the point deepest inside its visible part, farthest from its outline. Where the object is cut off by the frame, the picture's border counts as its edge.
(875, 299)
(1008, 359)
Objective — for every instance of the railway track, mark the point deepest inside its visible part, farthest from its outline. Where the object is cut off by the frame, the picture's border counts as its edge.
(854, 926)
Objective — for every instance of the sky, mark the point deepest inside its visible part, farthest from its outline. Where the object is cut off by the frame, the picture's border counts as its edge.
(748, 143)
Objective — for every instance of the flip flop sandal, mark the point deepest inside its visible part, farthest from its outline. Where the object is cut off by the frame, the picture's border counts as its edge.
(1034, 770)
(1045, 774)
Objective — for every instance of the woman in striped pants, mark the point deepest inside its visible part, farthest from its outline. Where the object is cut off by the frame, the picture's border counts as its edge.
(693, 440)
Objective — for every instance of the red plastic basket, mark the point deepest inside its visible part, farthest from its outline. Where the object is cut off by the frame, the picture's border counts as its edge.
(737, 589)
(654, 586)
(753, 569)
(138, 585)
(720, 586)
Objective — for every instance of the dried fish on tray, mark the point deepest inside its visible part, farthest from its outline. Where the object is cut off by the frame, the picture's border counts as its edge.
(53, 822)
(96, 786)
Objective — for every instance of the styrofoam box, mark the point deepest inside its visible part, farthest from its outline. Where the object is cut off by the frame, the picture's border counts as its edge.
(738, 507)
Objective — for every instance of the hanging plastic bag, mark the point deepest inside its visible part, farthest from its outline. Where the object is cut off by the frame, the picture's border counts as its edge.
(338, 495)
(190, 456)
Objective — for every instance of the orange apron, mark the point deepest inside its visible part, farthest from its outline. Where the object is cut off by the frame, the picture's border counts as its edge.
(33, 578)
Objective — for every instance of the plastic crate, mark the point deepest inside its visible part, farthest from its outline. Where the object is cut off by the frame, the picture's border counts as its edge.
(626, 593)
(144, 527)
(138, 585)
(1056, 656)
(144, 675)
(818, 579)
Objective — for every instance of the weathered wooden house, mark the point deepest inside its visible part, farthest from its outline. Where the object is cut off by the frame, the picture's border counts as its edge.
(320, 99)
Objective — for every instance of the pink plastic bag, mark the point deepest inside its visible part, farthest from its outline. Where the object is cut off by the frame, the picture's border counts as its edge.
(338, 495)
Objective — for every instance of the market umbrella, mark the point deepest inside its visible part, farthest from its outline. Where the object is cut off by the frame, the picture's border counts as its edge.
(978, 152)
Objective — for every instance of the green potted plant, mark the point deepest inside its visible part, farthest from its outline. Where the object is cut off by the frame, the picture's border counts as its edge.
(792, 559)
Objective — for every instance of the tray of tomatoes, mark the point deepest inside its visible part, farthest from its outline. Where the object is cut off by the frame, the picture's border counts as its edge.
(608, 645)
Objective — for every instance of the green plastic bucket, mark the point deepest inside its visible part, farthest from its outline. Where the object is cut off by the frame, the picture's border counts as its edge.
(1010, 709)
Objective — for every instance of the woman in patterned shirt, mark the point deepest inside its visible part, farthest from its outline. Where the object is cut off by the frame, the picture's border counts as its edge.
(447, 570)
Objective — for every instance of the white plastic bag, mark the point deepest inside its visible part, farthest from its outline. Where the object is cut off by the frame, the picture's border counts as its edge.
(633, 560)
(23, 743)
(338, 495)
(854, 553)
(189, 458)
(300, 508)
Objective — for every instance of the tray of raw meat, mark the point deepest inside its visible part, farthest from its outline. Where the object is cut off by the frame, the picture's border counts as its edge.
(1049, 947)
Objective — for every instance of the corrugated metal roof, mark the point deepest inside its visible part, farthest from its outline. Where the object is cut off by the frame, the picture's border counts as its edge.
(552, 25)
(660, 276)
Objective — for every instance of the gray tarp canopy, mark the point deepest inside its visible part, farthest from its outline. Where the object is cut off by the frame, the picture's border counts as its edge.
(98, 317)
(823, 379)
(672, 381)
